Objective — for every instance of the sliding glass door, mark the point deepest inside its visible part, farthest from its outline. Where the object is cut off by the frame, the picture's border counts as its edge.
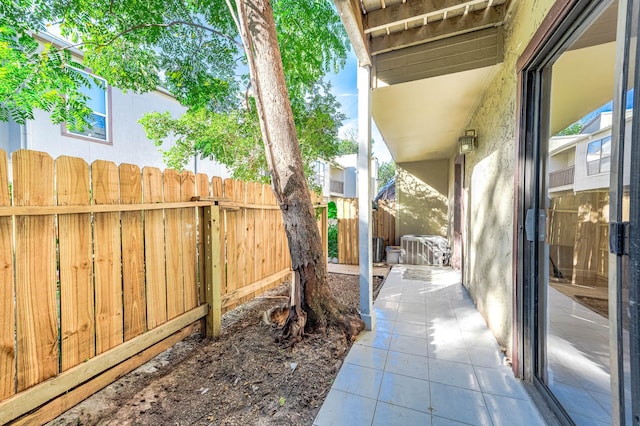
(579, 183)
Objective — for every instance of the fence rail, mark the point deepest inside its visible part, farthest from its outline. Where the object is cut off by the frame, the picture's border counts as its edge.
(99, 263)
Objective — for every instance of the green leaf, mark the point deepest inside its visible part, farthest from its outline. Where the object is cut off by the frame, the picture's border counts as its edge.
(193, 50)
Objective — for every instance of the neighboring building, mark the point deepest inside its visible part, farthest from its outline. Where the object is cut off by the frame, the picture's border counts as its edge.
(578, 212)
(115, 136)
(338, 178)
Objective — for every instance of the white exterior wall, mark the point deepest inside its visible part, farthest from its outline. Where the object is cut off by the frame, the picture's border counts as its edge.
(585, 182)
(129, 141)
(350, 182)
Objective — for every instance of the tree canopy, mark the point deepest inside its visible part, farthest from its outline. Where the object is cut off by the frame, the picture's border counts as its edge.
(193, 49)
(386, 172)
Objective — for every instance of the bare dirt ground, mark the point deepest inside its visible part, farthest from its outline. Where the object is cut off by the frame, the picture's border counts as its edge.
(240, 378)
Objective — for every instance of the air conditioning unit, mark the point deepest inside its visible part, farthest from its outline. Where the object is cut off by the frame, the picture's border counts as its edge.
(424, 250)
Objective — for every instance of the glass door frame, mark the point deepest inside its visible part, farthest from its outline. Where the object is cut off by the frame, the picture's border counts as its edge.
(633, 24)
(561, 26)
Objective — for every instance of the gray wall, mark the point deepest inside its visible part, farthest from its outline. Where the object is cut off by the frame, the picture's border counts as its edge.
(489, 180)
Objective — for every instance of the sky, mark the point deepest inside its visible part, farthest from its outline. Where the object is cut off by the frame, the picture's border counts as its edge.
(344, 88)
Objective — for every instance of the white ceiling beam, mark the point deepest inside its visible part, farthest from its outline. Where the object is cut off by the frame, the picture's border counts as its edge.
(472, 21)
(403, 13)
(351, 17)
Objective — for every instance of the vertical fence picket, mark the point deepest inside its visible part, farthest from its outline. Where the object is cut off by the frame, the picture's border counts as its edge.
(35, 253)
(261, 235)
(283, 245)
(232, 219)
(7, 310)
(277, 236)
(202, 190)
(249, 239)
(269, 227)
(77, 324)
(154, 249)
(341, 230)
(348, 231)
(188, 241)
(354, 232)
(241, 235)
(133, 286)
(217, 191)
(107, 257)
(172, 234)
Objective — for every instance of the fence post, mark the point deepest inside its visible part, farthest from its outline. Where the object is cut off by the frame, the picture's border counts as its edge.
(213, 270)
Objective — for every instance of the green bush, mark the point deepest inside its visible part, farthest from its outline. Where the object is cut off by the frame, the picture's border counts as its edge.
(332, 210)
(333, 240)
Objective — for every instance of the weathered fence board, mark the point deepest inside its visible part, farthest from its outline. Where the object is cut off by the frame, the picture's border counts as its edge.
(76, 264)
(384, 222)
(217, 191)
(7, 310)
(347, 231)
(241, 235)
(172, 235)
(135, 310)
(188, 242)
(249, 239)
(37, 325)
(383, 225)
(268, 229)
(154, 249)
(107, 248)
(202, 191)
(133, 255)
(231, 218)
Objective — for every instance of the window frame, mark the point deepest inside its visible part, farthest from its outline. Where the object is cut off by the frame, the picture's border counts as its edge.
(65, 131)
(599, 161)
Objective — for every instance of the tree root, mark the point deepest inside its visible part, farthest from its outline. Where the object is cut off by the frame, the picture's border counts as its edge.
(312, 313)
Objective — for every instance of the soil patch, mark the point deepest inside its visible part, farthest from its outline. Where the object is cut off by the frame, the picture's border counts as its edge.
(241, 378)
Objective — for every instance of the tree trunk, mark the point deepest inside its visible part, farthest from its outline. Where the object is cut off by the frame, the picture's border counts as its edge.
(258, 31)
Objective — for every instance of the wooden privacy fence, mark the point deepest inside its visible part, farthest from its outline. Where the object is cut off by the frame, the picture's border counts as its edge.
(103, 267)
(383, 226)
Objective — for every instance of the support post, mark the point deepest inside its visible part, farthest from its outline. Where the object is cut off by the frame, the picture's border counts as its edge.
(214, 266)
(364, 196)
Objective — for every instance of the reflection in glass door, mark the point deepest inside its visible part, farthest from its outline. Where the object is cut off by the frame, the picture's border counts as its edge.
(579, 285)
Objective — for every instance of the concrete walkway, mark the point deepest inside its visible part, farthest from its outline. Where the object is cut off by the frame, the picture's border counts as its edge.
(430, 361)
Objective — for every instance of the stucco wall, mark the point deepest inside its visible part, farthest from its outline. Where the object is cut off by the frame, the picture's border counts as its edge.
(421, 191)
(489, 179)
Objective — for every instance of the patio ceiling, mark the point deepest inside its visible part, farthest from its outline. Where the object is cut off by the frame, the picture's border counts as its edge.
(432, 61)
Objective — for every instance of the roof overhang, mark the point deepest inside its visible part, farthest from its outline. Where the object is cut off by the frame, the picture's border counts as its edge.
(422, 119)
(432, 60)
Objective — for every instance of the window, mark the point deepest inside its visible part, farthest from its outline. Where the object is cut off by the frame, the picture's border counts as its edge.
(599, 156)
(319, 167)
(97, 95)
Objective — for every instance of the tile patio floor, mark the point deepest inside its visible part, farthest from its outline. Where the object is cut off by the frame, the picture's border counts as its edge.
(430, 361)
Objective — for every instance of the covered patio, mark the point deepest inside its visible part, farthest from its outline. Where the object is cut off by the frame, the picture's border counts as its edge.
(431, 360)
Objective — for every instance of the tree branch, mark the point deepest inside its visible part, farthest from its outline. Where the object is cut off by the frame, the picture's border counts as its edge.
(165, 25)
